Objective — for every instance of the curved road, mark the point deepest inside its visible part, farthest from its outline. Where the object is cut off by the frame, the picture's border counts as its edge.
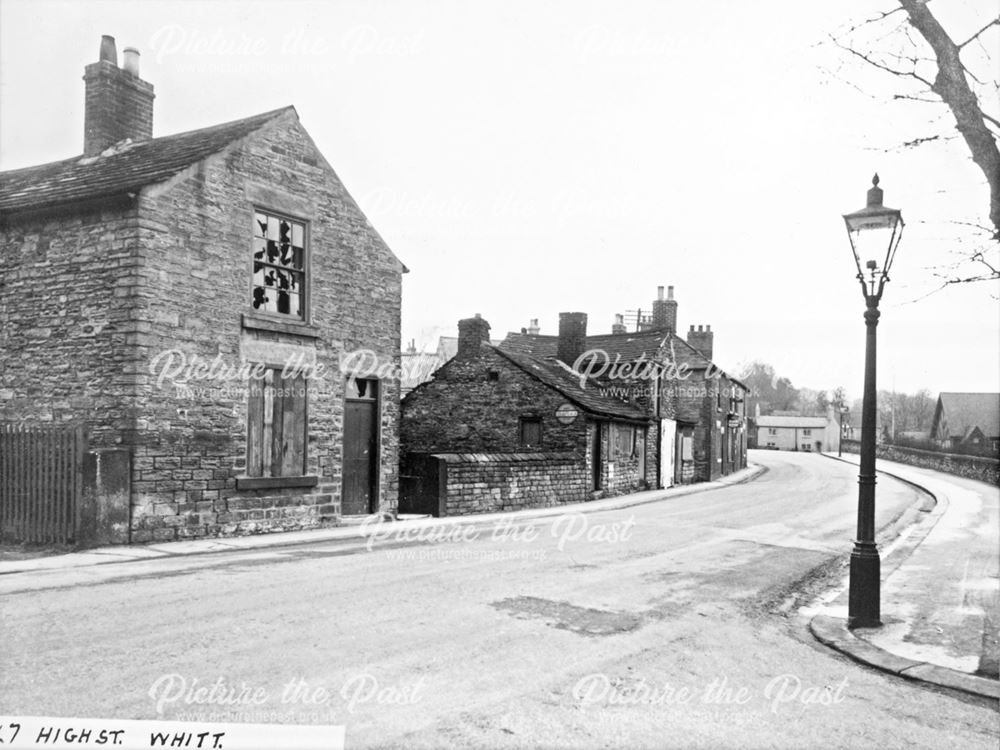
(659, 625)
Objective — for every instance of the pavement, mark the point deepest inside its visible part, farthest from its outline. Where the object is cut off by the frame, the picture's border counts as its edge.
(416, 527)
(939, 594)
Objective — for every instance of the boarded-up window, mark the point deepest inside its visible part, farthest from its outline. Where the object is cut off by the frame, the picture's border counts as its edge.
(276, 417)
(531, 432)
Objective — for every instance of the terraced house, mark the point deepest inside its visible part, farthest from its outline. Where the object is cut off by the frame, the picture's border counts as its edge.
(190, 300)
(541, 420)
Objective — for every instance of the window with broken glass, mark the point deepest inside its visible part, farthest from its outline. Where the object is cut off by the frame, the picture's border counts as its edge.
(279, 257)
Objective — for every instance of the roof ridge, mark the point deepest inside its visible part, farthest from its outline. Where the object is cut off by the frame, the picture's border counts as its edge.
(263, 116)
(126, 166)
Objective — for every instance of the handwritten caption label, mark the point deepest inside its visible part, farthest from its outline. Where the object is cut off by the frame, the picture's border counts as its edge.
(58, 733)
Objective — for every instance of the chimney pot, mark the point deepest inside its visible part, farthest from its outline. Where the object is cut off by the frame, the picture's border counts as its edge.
(659, 292)
(533, 328)
(109, 52)
(130, 62)
(670, 292)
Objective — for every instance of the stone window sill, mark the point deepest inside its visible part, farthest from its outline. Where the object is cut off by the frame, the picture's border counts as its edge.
(271, 483)
(290, 327)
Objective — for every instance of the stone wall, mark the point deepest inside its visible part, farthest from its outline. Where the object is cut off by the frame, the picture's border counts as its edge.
(971, 467)
(68, 320)
(474, 405)
(488, 483)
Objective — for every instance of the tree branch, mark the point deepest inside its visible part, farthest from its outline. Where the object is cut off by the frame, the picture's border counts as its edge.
(882, 66)
(953, 88)
(994, 22)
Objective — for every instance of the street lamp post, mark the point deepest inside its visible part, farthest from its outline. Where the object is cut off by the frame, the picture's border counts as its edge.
(874, 232)
(840, 442)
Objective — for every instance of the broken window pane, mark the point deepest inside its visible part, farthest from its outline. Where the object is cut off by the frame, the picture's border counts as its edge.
(279, 265)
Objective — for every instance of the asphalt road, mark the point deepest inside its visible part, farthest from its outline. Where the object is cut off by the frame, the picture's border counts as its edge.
(654, 626)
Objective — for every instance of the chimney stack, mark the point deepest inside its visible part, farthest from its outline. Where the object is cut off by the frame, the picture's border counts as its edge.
(118, 103)
(665, 311)
(619, 324)
(701, 340)
(572, 336)
(533, 328)
(472, 332)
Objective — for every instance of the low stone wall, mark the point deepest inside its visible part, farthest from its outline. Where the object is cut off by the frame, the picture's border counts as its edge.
(971, 467)
(494, 482)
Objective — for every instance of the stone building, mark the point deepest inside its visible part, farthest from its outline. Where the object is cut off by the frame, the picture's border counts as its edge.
(495, 429)
(197, 299)
(488, 421)
(699, 410)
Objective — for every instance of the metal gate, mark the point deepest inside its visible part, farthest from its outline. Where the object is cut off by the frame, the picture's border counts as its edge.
(41, 482)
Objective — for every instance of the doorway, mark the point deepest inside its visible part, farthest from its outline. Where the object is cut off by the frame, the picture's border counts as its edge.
(360, 490)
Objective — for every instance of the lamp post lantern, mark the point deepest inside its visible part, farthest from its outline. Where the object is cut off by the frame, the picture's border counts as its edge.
(874, 233)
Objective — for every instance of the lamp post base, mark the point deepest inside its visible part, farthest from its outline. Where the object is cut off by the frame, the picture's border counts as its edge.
(864, 595)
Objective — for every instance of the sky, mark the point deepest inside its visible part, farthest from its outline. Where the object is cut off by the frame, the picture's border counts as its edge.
(524, 158)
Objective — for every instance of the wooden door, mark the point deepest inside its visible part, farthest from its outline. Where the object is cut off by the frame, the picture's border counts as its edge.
(360, 448)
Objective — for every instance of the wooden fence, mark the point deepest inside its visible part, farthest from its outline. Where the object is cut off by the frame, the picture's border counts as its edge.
(41, 482)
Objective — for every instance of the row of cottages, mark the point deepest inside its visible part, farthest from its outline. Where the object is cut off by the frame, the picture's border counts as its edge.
(190, 299)
(540, 420)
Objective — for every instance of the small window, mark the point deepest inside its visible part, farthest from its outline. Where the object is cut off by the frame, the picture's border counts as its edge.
(807, 432)
(276, 422)
(624, 440)
(492, 376)
(772, 430)
(531, 432)
(279, 267)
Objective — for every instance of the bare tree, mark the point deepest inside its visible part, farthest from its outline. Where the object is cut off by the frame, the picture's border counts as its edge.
(909, 43)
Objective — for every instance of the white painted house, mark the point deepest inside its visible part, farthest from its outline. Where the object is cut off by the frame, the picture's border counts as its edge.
(797, 433)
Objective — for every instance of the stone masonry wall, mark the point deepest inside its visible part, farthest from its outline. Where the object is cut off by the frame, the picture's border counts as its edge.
(67, 320)
(463, 410)
(971, 467)
(488, 483)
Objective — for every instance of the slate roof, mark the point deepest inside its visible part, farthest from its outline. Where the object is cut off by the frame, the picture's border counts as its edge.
(809, 422)
(559, 377)
(628, 346)
(124, 168)
(965, 411)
